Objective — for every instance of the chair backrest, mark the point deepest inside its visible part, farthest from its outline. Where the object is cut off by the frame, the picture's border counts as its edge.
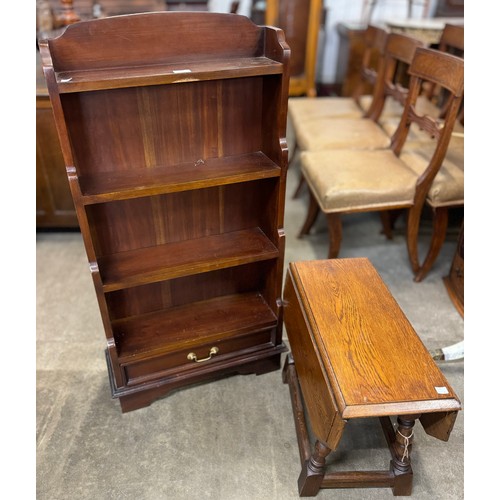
(447, 71)
(452, 39)
(398, 55)
(374, 40)
(451, 42)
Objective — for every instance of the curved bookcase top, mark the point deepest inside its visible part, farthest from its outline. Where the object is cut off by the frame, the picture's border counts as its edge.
(160, 38)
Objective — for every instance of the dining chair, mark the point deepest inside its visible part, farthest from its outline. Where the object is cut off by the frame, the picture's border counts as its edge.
(361, 132)
(348, 180)
(302, 109)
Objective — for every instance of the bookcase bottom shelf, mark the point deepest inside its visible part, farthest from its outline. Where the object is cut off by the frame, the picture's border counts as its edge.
(258, 362)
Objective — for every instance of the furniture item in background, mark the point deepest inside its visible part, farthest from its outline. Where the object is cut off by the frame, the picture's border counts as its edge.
(452, 40)
(449, 8)
(354, 354)
(344, 181)
(351, 50)
(437, 101)
(434, 98)
(176, 156)
(300, 20)
(54, 203)
(370, 5)
(350, 44)
(67, 14)
(331, 132)
(304, 109)
(454, 282)
(123, 7)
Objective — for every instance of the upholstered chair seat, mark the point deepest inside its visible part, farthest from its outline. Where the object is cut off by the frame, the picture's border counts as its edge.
(342, 133)
(324, 123)
(304, 109)
(447, 188)
(366, 181)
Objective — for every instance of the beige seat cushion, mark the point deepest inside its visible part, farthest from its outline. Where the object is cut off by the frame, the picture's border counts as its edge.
(341, 133)
(301, 109)
(365, 101)
(349, 181)
(447, 188)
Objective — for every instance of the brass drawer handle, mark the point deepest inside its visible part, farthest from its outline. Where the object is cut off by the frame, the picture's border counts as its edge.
(192, 356)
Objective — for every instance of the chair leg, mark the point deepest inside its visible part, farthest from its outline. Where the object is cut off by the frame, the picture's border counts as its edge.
(439, 229)
(301, 183)
(412, 230)
(335, 232)
(388, 219)
(312, 215)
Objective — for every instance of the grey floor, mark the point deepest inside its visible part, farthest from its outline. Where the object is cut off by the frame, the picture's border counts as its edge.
(233, 439)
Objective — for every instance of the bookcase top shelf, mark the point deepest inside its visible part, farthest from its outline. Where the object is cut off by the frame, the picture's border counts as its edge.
(167, 73)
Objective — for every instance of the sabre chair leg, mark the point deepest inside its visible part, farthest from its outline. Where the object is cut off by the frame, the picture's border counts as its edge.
(412, 230)
(388, 219)
(312, 215)
(439, 229)
(335, 234)
(299, 187)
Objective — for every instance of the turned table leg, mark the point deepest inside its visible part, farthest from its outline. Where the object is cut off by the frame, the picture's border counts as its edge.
(401, 462)
(313, 471)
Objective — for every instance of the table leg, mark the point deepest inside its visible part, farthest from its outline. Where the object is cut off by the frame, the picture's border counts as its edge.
(313, 471)
(401, 462)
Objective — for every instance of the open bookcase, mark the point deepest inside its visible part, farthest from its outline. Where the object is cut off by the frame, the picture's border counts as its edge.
(172, 127)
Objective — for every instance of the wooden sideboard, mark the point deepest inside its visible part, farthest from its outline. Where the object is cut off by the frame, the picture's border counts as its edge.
(454, 281)
(54, 204)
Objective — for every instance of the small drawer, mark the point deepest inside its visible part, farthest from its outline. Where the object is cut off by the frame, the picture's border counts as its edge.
(160, 366)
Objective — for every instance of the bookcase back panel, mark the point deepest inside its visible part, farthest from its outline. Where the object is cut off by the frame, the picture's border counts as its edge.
(144, 222)
(145, 127)
(241, 120)
(252, 204)
(180, 291)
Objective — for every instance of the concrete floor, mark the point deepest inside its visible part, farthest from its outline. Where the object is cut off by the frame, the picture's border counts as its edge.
(233, 439)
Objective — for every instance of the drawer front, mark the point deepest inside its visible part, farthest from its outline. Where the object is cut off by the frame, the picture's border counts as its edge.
(161, 366)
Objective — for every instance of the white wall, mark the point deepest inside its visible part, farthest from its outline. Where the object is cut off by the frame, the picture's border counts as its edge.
(338, 11)
(351, 11)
